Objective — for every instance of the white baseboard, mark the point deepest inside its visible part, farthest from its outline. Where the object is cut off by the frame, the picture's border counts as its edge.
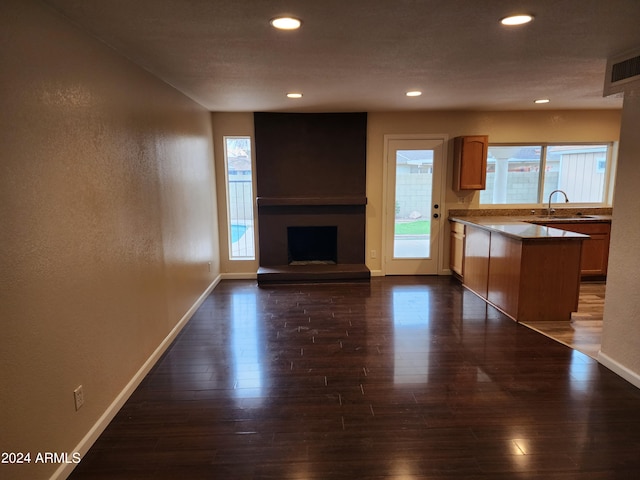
(89, 439)
(380, 273)
(619, 369)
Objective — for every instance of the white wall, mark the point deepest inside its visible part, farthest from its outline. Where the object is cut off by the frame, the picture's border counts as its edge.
(107, 226)
(620, 349)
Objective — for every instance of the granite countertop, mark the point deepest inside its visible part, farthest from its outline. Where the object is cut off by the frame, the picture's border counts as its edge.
(518, 229)
(521, 224)
(534, 213)
(566, 218)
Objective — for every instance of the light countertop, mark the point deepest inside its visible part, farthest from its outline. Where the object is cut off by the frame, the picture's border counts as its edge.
(518, 228)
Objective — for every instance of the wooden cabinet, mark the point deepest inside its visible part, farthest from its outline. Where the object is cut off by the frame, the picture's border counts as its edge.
(456, 252)
(470, 162)
(503, 288)
(595, 250)
(476, 259)
(534, 280)
(527, 279)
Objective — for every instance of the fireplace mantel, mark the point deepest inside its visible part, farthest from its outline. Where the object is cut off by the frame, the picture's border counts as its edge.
(309, 201)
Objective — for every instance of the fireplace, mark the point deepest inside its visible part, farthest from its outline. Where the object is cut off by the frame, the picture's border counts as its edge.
(311, 183)
(312, 245)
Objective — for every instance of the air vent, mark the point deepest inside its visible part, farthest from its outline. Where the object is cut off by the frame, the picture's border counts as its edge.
(622, 71)
(627, 69)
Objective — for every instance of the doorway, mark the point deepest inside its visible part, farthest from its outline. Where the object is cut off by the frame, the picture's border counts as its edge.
(413, 209)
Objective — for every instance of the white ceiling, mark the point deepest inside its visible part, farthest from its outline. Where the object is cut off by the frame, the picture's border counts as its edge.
(363, 55)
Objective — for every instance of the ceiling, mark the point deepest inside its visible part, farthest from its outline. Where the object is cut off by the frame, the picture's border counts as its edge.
(363, 55)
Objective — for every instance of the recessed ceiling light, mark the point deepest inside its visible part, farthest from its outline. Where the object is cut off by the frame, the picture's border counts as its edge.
(542, 100)
(286, 23)
(516, 20)
(413, 93)
(294, 95)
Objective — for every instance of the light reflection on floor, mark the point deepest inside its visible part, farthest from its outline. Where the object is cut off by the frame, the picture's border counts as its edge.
(580, 371)
(411, 310)
(247, 364)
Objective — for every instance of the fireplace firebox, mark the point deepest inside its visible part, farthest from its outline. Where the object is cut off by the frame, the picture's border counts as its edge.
(312, 245)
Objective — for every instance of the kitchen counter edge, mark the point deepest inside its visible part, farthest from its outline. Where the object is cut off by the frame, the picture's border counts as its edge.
(523, 229)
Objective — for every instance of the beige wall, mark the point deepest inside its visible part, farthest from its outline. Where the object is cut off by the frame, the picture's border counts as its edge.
(621, 337)
(107, 226)
(502, 127)
(231, 124)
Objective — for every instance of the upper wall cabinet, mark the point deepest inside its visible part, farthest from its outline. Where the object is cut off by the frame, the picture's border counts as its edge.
(470, 162)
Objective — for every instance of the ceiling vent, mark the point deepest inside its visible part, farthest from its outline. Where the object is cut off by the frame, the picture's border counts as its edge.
(623, 71)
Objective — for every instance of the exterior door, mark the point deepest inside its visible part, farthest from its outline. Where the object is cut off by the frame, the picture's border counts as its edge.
(413, 211)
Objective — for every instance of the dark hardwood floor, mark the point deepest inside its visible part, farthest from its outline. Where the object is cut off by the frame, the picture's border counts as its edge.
(402, 378)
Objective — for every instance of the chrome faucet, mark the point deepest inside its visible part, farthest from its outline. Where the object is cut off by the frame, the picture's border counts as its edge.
(551, 211)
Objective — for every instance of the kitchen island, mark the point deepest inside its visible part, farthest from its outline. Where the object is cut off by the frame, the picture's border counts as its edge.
(529, 272)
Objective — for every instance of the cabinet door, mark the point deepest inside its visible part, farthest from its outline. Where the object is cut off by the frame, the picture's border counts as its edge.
(503, 288)
(595, 250)
(456, 257)
(470, 162)
(476, 259)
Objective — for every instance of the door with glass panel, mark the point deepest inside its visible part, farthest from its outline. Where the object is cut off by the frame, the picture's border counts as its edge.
(412, 204)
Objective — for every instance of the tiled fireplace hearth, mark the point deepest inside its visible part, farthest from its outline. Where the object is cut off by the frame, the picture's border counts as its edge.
(311, 197)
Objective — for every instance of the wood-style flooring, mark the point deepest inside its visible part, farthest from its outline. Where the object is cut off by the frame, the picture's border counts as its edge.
(399, 378)
(584, 331)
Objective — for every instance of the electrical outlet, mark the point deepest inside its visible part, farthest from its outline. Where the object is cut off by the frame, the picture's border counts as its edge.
(373, 254)
(78, 397)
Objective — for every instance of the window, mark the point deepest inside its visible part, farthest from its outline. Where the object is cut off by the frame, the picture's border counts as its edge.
(527, 174)
(239, 175)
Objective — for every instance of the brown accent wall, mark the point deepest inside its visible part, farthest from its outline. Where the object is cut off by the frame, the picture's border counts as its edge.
(274, 222)
(311, 171)
(311, 154)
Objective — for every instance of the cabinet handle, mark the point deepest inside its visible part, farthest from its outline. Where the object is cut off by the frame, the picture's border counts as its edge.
(435, 215)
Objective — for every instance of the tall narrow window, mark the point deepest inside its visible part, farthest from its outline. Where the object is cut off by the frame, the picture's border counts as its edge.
(239, 174)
